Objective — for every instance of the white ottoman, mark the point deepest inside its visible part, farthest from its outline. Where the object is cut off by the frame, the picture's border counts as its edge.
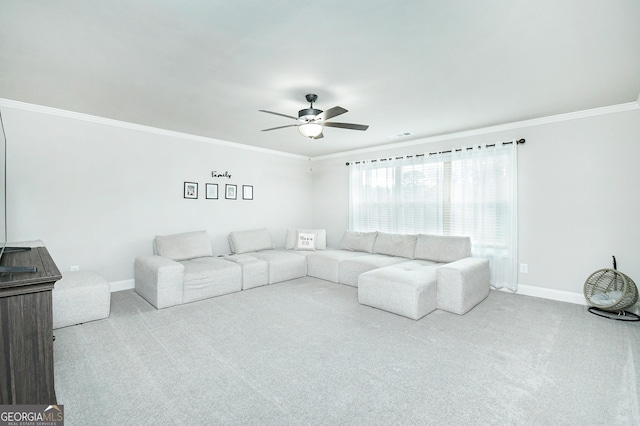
(255, 272)
(407, 289)
(80, 296)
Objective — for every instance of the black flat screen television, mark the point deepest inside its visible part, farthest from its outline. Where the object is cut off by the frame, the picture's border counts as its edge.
(7, 250)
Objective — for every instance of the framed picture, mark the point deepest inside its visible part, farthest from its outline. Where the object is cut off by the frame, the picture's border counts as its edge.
(230, 192)
(212, 191)
(247, 192)
(190, 190)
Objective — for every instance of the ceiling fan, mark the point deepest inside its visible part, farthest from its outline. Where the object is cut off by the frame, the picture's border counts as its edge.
(312, 121)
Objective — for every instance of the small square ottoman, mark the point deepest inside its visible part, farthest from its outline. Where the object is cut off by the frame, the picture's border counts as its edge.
(80, 296)
(407, 289)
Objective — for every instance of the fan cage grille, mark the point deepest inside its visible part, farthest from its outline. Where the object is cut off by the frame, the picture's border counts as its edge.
(607, 281)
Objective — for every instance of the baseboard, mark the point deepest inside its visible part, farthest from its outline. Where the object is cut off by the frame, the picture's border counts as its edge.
(121, 285)
(548, 293)
(525, 290)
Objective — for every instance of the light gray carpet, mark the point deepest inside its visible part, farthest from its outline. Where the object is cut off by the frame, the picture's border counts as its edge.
(304, 352)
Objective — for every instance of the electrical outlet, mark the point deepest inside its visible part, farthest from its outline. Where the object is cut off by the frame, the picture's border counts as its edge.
(74, 268)
(524, 268)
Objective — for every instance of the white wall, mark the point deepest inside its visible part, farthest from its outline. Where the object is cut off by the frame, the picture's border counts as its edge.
(97, 193)
(578, 189)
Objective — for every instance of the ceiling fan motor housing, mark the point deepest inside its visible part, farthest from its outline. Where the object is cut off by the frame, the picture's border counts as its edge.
(308, 114)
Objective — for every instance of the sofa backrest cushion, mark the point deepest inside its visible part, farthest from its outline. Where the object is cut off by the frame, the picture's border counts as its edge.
(292, 235)
(183, 246)
(401, 245)
(358, 241)
(248, 241)
(442, 248)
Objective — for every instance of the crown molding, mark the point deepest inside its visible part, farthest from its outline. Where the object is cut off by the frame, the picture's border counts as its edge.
(139, 127)
(629, 106)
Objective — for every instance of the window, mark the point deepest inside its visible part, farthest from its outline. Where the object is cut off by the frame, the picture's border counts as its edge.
(465, 192)
(393, 196)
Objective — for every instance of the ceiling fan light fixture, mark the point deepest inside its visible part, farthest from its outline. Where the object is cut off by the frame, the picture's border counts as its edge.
(310, 130)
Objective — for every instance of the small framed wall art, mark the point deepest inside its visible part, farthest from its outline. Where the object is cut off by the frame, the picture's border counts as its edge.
(247, 192)
(230, 192)
(212, 191)
(190, 190)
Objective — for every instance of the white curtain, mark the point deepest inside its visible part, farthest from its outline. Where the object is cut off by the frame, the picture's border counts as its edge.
(397, 195)
(484, 207)
(468, 192)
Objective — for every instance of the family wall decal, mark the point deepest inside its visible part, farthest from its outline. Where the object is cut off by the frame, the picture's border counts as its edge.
(215, 174)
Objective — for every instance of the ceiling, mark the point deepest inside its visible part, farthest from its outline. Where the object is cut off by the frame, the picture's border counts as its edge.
(429, 67)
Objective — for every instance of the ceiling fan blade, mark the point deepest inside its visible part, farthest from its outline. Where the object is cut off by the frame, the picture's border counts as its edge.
(279, 127)
(350, 126)
(330, 113)
(277, 113)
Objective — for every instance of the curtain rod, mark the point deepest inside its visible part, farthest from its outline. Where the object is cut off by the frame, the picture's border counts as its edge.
(518, 142)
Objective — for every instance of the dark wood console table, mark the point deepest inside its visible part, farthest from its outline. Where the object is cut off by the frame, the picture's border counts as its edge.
(26, 329)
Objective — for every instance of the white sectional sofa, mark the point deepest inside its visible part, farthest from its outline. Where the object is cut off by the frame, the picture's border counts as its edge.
(409, 275)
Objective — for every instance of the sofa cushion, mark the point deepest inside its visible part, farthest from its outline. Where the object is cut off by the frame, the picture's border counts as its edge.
(442, 248)
(402, 245)
(206, 277)
(248, 241)
(320, 240)
(324, 264)
(358, 241)
(415, 265)
(350, 269)
(283, 265)
(183, 246)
